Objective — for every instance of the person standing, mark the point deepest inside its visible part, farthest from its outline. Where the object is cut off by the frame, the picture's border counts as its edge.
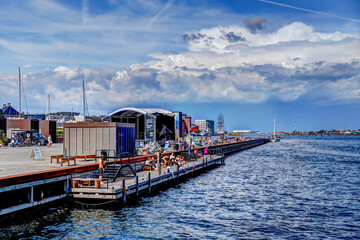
(158, 153)
(49, 141)
(101, 167)
(27, 140)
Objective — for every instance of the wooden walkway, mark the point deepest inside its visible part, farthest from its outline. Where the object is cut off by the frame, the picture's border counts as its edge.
(145, 180)
(32, 189)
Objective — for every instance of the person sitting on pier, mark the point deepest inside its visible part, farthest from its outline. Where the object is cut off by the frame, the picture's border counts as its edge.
(172, 159)
(27, 142)
(12, 143)
(21, 141)
(165, 160)
(153, 163)
(197, 154)
(17, 143)
(180, 160)
(150, 162)
(168, 170)
(101, 167)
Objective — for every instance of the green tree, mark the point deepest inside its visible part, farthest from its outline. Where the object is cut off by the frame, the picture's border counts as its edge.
(4, 139)
(1, 114)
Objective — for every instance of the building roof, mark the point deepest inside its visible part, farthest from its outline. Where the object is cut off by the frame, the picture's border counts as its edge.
(9, 110)
(129, 111)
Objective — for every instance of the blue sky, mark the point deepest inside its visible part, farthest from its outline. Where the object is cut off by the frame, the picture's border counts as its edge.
(245, 58)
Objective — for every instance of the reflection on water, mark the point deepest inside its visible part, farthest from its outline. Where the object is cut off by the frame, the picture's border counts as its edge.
(301, 187)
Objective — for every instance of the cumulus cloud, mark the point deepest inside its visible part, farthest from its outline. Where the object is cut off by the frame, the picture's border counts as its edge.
(223, 64)
(233, 38)
(223, 39)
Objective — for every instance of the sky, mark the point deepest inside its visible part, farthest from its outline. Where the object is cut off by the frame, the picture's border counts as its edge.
(245, 59)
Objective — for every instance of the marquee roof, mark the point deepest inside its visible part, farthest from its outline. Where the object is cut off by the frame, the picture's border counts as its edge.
(133, 112)
(9, 110)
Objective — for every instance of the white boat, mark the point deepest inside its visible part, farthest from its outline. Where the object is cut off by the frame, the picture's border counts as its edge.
(275, 138)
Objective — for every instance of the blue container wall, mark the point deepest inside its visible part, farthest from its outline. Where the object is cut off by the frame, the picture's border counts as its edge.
(125, 140)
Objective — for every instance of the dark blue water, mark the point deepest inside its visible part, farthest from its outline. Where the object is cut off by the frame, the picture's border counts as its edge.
(299, 188)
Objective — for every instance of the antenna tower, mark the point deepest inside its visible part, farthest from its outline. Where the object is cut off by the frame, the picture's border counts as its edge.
(85, 106)
(19, 94)
(48, 111)
(220, 122)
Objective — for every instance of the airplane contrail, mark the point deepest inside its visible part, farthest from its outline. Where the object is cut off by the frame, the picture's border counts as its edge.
(308, 10)
(167, 5)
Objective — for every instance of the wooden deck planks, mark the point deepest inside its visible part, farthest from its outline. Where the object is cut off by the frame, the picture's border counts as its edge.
(114, 190)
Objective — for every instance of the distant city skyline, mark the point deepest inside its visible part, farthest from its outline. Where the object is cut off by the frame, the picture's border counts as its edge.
(245, 59)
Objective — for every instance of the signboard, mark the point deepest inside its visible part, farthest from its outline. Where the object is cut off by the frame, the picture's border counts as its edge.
(35, 153)
(177, 121)
(150, 130)
(178, 124)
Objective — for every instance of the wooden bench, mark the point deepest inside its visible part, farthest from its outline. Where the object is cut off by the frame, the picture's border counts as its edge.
(68, 159)
(56, 157)
(89, 156)
(85, 157)
(147, 168)
(86, 182)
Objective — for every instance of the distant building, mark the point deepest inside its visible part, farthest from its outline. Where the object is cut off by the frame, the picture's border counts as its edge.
(62, 117)
(241, 131)
(205, 125)
(187, 120)
(184, 128)
(36, 116)
(220, 124)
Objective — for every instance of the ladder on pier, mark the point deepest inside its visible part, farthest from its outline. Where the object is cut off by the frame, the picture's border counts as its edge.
(115, 170)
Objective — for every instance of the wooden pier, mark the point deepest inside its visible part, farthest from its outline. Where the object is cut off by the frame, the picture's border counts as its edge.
(144, 180)
(24, 191)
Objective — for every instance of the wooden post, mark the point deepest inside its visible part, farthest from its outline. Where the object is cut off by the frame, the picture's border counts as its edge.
(159, 161)
(66, 185)
(149, 187)
(137, 185)
(32, 194)
(178, 174)
(124, 191)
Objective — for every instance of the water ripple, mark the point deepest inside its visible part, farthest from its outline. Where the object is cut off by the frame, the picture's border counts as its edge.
(300, 188)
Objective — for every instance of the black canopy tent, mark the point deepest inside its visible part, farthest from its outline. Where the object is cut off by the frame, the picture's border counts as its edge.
(148, 122)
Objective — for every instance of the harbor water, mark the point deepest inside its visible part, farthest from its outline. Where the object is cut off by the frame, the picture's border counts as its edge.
(298, 188)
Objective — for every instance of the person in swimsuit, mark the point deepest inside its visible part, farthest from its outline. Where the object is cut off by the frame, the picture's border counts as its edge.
(101, 167)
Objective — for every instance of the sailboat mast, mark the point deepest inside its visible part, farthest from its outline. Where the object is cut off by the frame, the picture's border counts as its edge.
(19, 94)
(48, 112)
(84, 96)
(274, 124)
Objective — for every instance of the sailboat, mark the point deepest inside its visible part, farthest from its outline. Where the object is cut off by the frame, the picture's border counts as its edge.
(275, 138)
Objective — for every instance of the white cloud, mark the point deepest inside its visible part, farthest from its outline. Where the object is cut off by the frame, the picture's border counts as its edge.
(292, 63)
(214, 39)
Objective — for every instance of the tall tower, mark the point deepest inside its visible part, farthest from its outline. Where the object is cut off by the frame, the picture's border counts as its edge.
(220, 123)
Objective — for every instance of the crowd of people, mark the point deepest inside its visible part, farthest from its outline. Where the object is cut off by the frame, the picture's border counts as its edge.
(169, 160)
(20, 140)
